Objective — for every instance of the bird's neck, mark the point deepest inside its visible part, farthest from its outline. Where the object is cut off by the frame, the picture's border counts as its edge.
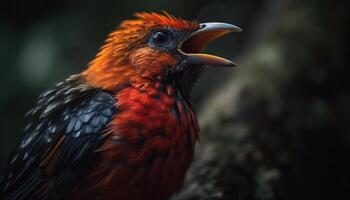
(183, 81)
(112, 78)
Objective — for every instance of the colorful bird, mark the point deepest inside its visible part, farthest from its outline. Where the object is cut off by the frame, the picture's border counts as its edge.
(124, 128)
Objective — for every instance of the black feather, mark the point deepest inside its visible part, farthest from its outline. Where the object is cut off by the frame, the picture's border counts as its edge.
(70, 117)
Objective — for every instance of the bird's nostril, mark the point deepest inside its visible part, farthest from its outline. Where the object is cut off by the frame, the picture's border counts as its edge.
(201, 26)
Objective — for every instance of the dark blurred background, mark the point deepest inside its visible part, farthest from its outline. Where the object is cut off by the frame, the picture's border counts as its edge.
(276, 127)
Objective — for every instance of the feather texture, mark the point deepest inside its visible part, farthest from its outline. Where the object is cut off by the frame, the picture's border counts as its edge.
(64, 129)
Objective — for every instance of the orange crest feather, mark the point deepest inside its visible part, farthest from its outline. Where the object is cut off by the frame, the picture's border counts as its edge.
(167, 20)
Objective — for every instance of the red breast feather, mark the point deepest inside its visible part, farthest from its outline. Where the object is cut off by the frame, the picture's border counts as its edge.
(150, 148)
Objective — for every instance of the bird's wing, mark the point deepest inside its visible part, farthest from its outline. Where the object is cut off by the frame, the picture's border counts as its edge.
(64, 129)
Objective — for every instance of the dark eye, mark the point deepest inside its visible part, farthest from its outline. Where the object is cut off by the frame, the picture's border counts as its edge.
(160, 37)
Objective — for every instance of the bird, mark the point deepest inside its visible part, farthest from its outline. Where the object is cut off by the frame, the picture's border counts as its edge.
(125, 127)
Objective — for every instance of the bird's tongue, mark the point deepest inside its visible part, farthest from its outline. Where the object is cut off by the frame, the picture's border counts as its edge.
(198, 40)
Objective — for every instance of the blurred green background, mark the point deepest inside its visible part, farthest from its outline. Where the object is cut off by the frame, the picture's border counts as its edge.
(293, 82)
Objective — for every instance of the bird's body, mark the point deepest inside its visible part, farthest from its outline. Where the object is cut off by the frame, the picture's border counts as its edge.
(152, 136)
(122, 129)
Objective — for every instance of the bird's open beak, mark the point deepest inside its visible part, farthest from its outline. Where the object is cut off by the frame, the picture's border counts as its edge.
(198, 40)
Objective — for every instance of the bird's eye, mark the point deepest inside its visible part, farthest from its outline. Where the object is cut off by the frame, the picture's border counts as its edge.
(160, 37)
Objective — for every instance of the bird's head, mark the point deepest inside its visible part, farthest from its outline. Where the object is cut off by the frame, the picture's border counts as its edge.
(156, 48)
